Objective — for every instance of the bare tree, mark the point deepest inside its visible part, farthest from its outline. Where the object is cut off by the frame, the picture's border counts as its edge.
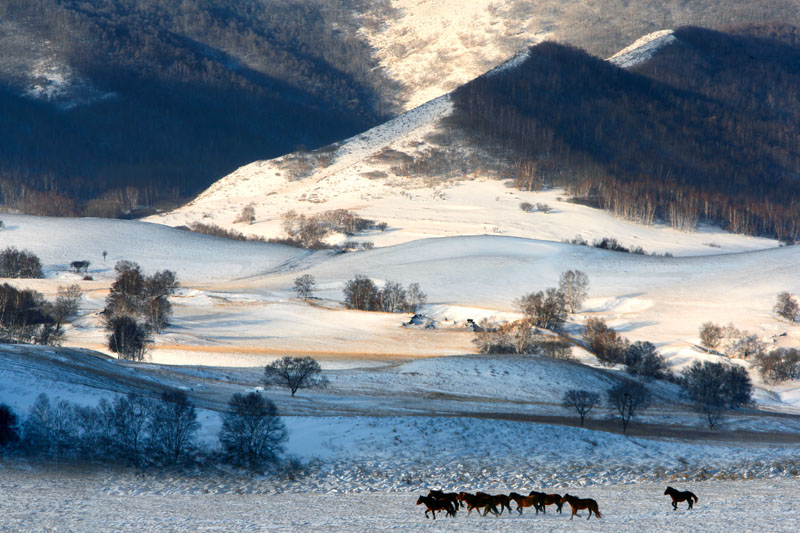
(627, 398)
(129, 339)
(392, 298)
(574, 284)
(359, 293)
(716, 387)
(711, 336)
(66, 305)
(581, 400)
(304, 286)
(415, 298)
(781, 364)
(295, 373)
(129, 420)
(174, 423)
(252, 433)
(787, 307)
(607, 345)
(749, 345)
(545, 309)
(19, 264)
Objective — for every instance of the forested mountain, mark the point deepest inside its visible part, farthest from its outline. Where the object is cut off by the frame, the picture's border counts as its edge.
(107, 105)
(708, 128)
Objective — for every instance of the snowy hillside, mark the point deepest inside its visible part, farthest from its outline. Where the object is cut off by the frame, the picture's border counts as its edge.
(373, 175)
(236, 307)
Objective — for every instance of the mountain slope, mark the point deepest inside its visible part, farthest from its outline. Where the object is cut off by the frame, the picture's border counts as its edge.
(658, 142)
(166, 97)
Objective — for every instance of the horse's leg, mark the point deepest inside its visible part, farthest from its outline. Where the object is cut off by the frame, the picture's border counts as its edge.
(590, 513)
(674, 505)
(690, 502)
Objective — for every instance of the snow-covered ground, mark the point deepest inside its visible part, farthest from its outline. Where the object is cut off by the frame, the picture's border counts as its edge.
(102, 501)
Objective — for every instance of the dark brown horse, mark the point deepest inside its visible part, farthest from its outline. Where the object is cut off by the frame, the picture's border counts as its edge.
(577, 504)
(432, 505)
(451, 497)
(500, 500)
(548, 499)
(678, 496)
(474, 501)
(525, 501)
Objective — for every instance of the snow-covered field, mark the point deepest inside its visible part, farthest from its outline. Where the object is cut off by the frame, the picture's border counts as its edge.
(66, 500)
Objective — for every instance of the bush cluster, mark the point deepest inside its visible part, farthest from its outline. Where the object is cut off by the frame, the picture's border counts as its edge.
(27, 318)
(309, 231)
(19, 264)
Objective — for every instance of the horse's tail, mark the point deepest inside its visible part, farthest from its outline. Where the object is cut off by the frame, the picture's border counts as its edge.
(597, 512)
(694, 496)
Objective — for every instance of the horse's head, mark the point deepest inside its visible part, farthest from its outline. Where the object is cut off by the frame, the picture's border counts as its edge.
(669, 489)
(565, 498)
(461, 496)
(420, 501)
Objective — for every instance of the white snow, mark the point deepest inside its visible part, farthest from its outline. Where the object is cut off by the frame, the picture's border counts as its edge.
(642, 49)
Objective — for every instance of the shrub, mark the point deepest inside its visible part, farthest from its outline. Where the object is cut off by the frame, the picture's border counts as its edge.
(527, 207)
(19, 264)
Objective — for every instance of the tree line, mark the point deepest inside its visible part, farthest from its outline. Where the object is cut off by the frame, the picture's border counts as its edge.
(161, 431)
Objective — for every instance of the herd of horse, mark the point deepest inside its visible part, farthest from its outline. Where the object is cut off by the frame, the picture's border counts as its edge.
(450, 502)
